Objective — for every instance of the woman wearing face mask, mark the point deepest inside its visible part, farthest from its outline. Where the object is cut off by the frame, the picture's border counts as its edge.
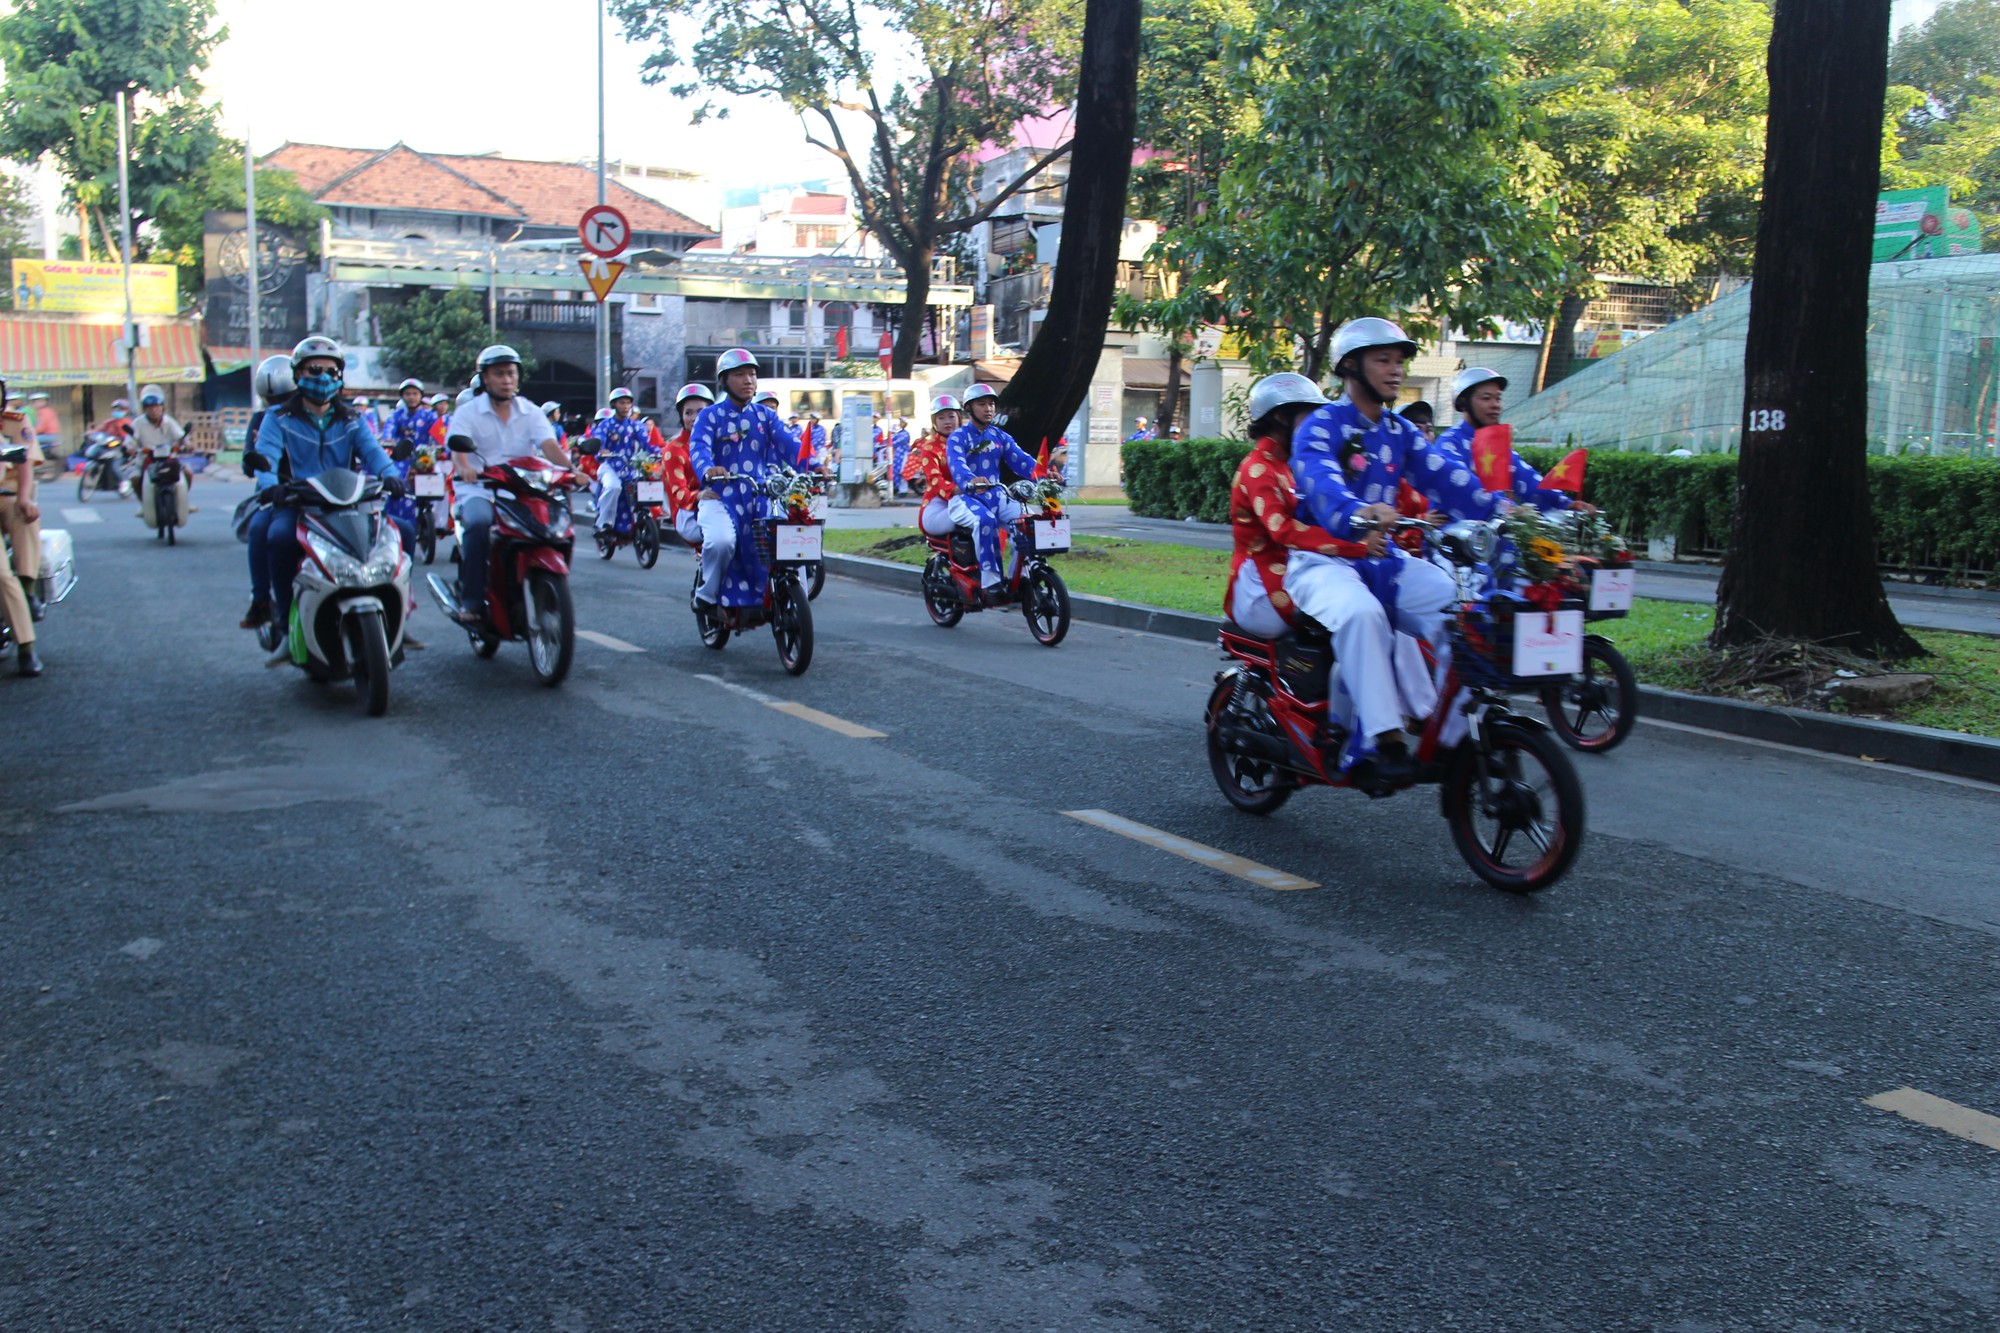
(309, 433)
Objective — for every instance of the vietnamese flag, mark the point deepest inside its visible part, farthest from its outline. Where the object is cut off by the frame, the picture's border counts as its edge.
(1042, 460)
(806, 445)
(885, 351)
(840, 343)
(1493, 457)
(1568, 474)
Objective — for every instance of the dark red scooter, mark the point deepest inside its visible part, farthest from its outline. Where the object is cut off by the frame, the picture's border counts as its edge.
(527, 574)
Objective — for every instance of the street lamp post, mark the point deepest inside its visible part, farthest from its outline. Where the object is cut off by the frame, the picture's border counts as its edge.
(256, 292)
(125, 246)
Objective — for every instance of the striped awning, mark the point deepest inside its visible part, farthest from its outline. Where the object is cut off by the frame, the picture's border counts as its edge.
(37, 351)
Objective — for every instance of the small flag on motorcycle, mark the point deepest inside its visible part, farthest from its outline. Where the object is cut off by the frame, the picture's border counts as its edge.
(1493, 457)
(1042, 461)
(1568, 474)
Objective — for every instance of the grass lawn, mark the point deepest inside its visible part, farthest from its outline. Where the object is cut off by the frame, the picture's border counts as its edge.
(1663, 640)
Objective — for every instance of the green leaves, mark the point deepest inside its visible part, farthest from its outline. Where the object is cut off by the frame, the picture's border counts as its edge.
(436, 336)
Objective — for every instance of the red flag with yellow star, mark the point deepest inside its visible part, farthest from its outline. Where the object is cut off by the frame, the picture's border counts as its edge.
(1042, 460)
(1493, 457)
(1568, 474)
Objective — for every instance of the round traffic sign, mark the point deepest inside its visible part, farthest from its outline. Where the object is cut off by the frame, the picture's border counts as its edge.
(604, 231)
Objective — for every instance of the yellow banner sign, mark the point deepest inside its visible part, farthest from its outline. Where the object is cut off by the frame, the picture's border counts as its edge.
(95, 289)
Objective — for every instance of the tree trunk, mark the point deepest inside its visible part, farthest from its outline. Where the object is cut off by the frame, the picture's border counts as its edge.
(1170, 401)
(1559, 357)
(1801, 559)
(916, 313)
(1055, 375)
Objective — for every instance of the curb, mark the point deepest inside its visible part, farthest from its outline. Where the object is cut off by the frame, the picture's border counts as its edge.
(1976, 757)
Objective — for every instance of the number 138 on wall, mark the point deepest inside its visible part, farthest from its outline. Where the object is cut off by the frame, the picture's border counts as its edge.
(1767, 419)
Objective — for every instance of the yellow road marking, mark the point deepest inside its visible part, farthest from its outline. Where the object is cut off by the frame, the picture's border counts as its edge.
(1213, 858)
(616, 645)
(800, 711)
(828, 720)
(1966, 1123)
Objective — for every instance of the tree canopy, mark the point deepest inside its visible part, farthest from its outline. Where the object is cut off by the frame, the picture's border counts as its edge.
(1944, 109)
(436, 336)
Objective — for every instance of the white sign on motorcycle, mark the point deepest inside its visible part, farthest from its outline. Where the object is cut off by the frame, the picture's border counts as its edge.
(1548, 643)
(652, 492)
(1611, 590)
(796, 541)
(428, 485)
(1051, 534)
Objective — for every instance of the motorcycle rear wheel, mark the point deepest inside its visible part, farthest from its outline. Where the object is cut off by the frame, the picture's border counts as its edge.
(815, 576)
(607, 543)
(944, 608)
(646, 541)
(551, 626)
(1254, 786)
(792, 625)
(85, 484)
(1530, 800)
(483, 645)
(427, 535)
(1595, 710)
(368, 650)
(1045, 606)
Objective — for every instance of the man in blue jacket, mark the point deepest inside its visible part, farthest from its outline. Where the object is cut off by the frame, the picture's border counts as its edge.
(311, 432)
(974, 453)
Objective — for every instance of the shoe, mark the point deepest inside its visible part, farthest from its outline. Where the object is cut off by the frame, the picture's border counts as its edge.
(256, 617)
(26, 663)
(37, 608)
(703, 607)
(1389, 768)
(468, 617)
(413, 643)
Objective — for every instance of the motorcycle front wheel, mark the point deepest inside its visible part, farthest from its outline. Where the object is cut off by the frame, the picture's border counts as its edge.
(1519, 825)
(944, 607)
(427, 535)
(368, 649)
(792, 625)
(86, 482)
(607, 543)
(1045, 606)
(551, 626)
(1254, 786)
(646, 541)
(1594, 711)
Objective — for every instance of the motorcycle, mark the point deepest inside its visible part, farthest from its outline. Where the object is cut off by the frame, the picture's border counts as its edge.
(646, 494)
(1594, 710)
(351, 596)
(527, 570)
(106, 467)
(165, 503)
(789, 543)
(952, 583)
(1507, 786)
(430, 489)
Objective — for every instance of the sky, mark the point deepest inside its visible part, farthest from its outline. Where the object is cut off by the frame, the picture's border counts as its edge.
(507, 76)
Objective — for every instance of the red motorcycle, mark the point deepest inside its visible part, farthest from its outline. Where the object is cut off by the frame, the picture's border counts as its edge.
(791, 545)
(1510, 794)
(952, 584)
(527, 574)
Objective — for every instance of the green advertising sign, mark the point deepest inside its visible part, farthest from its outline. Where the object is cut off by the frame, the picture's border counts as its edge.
(1922, 224)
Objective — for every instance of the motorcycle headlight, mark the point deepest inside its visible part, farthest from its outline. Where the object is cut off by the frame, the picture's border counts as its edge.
(388, 553)
(336, 562)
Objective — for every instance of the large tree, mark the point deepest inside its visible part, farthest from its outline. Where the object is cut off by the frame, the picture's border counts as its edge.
(1949, 56)
(907, 148)
(1648, 118)
(436, 335)
(1802, 552)
(1374, 173)
(1055, 375)
(65, 60)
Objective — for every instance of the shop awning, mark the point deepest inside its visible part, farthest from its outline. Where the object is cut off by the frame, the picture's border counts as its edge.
(37, 351)
(226, 359)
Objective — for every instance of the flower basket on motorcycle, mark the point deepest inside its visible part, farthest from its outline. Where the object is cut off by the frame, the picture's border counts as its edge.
(1602, 563)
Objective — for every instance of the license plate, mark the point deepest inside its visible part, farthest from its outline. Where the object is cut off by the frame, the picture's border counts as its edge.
(794, 542)
(428, 484)
(652, 492)
(1548, 643)
(1051, 534)
(1611, 590)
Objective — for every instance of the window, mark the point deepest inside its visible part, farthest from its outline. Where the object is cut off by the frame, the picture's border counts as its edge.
(814, 235)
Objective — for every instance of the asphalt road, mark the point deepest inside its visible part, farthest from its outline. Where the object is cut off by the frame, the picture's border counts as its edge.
(645, 1004)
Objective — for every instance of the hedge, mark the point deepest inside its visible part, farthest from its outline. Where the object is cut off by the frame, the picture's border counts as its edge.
(1930, 513)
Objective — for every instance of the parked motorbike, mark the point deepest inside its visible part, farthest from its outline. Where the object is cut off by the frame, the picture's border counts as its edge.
(646, 497)
(106, 466)
(1510, 794)
(952, 584)
(790, 543)
(351, 596)
(527, 571)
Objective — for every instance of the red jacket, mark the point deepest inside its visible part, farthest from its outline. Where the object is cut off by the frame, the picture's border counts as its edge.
(1261, 508)
(926, 463)
(683, 489)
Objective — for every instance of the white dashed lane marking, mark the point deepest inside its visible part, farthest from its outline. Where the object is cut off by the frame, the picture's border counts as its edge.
(606, 641)
(78, 517)
(1973, 1126)
(1212, 857)
(838, 725)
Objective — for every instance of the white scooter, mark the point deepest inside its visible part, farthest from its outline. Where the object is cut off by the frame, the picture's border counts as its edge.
(351, 598)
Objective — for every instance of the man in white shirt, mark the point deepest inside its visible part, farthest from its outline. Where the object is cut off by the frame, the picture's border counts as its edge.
(495, 425)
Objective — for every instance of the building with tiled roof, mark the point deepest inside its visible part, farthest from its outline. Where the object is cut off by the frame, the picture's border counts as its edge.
(795, 223)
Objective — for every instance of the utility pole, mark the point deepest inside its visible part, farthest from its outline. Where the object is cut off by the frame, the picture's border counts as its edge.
(256, 292)
(125, 242)
(603, 307)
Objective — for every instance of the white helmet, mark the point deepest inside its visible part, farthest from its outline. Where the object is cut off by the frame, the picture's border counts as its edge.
(552, 409)
(317, 345)
(1357, 335)
(688, 391)
(1469, 379)
(620, 392)
(443, 398)
(464, 397)
(499, 354)
(1281, 390)
(944, 402)
(604, 414)
(274, 378)
(151, 394)
(416, 384)
(734, 359)
(766, 396)
(977, 392)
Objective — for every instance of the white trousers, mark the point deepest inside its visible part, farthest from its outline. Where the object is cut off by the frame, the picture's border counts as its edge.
(610, 481)
(1381, 671)
(718, 546)
(935, 518)
(688, 524)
